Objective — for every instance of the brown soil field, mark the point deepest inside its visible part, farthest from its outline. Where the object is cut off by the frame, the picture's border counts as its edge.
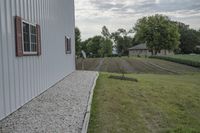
(133, 65)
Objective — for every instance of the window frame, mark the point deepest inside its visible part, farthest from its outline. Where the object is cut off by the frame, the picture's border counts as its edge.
(68, 45)
(23, 45)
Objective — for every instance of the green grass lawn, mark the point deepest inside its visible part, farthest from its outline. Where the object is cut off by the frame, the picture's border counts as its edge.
(155, 104)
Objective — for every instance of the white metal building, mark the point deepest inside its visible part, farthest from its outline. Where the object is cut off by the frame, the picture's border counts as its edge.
(36, 48)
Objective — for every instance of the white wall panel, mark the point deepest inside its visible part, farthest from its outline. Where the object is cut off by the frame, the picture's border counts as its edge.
(1, 71)
(23, 78)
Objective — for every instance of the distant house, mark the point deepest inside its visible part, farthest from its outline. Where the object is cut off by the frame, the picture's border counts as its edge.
(37, 49)
(142, 50)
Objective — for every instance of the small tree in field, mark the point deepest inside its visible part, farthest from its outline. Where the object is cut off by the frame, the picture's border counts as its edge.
(122, 71)
(158, 32)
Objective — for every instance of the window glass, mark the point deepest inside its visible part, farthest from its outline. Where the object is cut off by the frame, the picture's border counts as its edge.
(68, 45)
(33, 38)
(26, 37)
(26, 47)
(25, 27)
(29, 37)
(33, 29)
(33, 47)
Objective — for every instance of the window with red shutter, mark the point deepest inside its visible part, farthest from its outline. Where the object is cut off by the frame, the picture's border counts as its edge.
(28, 38)
(38, 33)
(67, 45)
(18, 32)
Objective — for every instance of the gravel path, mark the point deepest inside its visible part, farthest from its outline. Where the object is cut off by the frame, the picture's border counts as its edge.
(61, 109)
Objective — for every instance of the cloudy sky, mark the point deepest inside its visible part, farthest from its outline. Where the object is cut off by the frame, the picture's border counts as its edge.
(91, 15)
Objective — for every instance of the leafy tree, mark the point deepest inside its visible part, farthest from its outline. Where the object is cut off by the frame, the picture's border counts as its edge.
(122, 41)
(106, 48)
(105, 32)
(94, 45)
(77, 40)
(135, 42)
(158, 32)
(84, 46)
(107, 45)
(189, 41)
(97, 46)
(189, 38)
(122, 32)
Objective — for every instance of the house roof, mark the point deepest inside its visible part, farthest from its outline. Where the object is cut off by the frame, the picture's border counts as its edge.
(140, 46)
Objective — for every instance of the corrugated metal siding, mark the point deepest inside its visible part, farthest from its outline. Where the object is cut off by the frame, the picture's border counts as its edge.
(23, 78)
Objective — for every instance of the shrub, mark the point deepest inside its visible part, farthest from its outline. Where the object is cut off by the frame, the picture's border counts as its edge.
(178, 60)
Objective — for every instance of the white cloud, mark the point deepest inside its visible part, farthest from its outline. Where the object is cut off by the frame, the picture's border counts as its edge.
(157, 1)
(91, 15)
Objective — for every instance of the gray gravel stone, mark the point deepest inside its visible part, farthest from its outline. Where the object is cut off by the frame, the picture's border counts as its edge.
(60, 109)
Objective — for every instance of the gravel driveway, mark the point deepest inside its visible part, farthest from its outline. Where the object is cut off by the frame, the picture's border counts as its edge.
(61, 109)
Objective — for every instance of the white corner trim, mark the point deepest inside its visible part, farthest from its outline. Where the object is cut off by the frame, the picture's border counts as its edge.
(89, 104)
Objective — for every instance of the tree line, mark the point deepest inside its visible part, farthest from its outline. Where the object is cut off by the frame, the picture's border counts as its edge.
(157, 31)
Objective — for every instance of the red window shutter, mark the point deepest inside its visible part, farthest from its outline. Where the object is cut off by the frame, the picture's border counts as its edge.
(18, 35)
(38, 36)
